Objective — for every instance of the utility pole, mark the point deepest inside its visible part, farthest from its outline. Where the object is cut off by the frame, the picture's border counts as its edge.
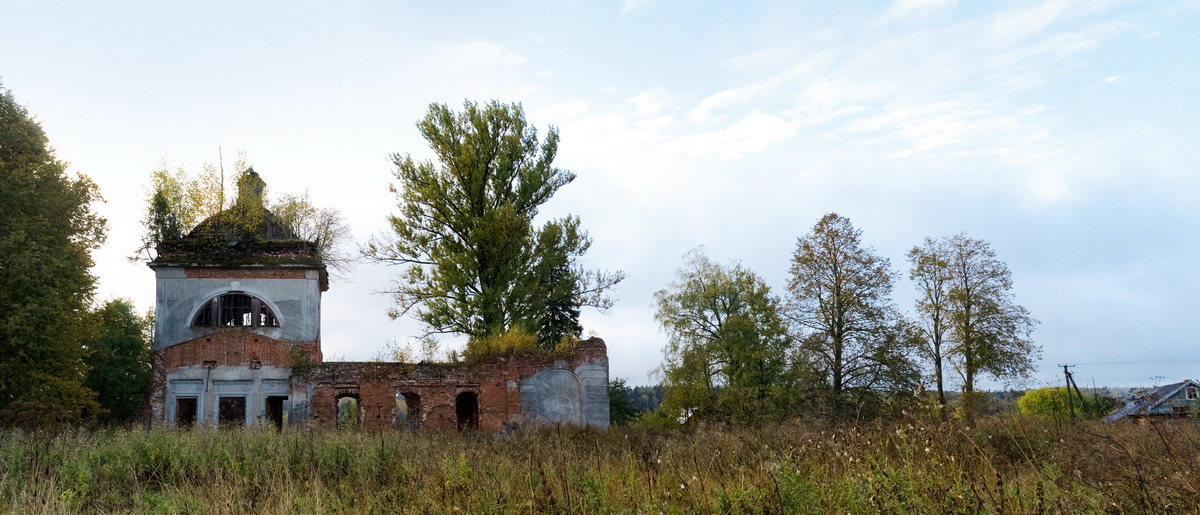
(1069, 382)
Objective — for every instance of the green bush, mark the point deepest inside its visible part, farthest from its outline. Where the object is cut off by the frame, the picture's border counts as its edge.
(1052, 402)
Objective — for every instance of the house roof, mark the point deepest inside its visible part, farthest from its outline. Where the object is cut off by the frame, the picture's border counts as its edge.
(1145, 404)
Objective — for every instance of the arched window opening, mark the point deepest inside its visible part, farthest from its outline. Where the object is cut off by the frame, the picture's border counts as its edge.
(235, 309)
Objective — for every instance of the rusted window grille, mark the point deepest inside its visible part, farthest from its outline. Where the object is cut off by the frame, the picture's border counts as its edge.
(231, 411)
(235, 309)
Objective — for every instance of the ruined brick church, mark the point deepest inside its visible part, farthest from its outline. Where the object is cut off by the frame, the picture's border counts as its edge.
(237, 342)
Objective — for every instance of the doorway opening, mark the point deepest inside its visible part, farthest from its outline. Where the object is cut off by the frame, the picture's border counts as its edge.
(466, 408)
(275, 410)
(185, 412)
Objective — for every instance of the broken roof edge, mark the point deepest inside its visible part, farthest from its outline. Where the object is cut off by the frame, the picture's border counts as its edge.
(249, 264)
(1144, 405)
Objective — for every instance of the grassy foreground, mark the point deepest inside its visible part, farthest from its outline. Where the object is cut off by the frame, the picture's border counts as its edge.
(998, 466)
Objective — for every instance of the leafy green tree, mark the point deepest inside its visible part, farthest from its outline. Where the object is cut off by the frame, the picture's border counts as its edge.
(324, 226)
(851, 337)
(931, 273)
(1052, 402)
(474, 263)
(119, 361)
(620, 408)
(990, 332)
(726, 354)
(178, 202)
(48, 231)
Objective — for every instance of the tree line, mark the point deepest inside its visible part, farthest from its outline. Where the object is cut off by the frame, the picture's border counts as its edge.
(836, 345)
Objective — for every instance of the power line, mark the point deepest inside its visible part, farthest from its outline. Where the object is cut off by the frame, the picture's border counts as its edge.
(1141, 362)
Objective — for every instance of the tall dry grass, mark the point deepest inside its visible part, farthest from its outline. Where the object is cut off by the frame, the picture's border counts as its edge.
(1008, 465)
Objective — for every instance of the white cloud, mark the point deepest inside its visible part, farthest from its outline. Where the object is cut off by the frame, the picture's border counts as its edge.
(563, 111)
(702, 112)
(650, 103)
(631, 5)
(754, 58)
(1013, 26)
(945, 94)
(750, 134)
(905, 7)
(476, 55)
(658, 125)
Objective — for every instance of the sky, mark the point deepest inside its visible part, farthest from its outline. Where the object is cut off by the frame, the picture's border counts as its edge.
(1058, 131)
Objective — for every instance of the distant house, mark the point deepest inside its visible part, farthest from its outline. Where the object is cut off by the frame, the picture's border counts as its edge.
(1170, 401)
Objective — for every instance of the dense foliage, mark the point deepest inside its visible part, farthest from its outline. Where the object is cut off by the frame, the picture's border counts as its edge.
(646, 398)
(119, 360)
(474, 262)
(726, 354)
(621, 411)
(48, 230)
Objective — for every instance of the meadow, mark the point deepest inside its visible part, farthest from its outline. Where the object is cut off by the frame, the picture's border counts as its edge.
(914, 465)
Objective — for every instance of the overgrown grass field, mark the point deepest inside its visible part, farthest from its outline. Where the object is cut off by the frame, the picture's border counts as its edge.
(1004, 465)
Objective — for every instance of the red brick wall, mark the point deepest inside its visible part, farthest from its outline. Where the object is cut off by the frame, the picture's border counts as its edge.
(244, 273)
(236, 347)
(375, 385)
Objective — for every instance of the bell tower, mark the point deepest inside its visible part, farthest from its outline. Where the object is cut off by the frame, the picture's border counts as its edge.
(238, 307)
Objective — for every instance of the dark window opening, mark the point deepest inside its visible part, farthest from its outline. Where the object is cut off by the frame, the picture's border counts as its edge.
(1192, 392)
(185, 413)
(408, 410)
(235, 309)
(275, 410)
(466, 408)
(231, 411)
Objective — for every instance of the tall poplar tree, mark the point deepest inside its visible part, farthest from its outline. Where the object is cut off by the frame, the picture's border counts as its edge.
(474, 263)
(48, 231)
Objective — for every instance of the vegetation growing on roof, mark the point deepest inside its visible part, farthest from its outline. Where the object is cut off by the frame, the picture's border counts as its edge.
(191, 219)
